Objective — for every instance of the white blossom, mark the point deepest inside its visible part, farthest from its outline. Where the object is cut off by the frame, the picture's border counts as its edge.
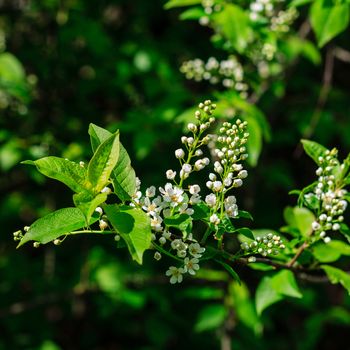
(210, 199)
(194, 189)
(151, 191)
(170, 174)
(214, 219)
(172, 195)
(175, 274)
(196, 250)
(186, 168)
(179, 153)
(191, 265)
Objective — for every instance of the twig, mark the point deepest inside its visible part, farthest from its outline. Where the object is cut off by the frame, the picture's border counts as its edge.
(342, 54)
(298, 253)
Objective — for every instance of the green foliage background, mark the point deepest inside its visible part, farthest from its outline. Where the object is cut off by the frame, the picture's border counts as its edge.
(65, 64)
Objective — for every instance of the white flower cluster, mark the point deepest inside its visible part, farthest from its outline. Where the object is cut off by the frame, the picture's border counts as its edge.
(191, 254)
(227, 72)
(209, 7)
(283, 20)
(264, 245)
(279, 20)
(330, 196)
(173, 199)
(260, 9)
(228, 170)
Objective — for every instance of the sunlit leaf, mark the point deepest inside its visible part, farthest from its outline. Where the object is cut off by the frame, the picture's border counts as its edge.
(54, 225)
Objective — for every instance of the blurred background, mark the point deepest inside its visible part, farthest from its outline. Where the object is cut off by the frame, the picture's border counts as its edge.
(67, 63)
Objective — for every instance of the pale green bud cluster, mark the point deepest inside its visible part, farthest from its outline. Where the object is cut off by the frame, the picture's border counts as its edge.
(228, 72)
(269, 244)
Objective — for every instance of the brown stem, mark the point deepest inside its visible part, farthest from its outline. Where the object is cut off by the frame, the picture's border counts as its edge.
(298, 253)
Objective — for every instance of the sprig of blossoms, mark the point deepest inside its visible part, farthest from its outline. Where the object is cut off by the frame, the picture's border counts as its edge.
(228, 72)
(328, 196)
(228, 170)
(174, 199)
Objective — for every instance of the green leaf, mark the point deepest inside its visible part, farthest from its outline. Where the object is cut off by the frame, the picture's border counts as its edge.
(134, 227)
(246, 232)
(211, 317)
(201, 211)
(297, 3)
(337, 276)
(266, 295)
(230, 270)
(233, 24)
(313, 150)
(345, 230)
(103, 162)
(328, 19)
(261, 267)
(179, 221)
(244, 307)
(331, 251)
(179, 3)
(63, 170)
(54, 225)
(87, 202)
(254, 143)
(273, 289)
(123, 175)
(192, 14)
(12, 77)
(98, 135)
(245, 215)
(284, 283)
(303, 219)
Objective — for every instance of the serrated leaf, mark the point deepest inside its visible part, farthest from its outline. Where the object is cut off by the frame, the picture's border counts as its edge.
(63, 170)
(54, 225)
(337, 276)
(87, 202)
(98, 135)
(134, 227)
(284, 283)
(179, 3)
(103, 162)
(123, 175)
(313, 150)
(328, 19)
